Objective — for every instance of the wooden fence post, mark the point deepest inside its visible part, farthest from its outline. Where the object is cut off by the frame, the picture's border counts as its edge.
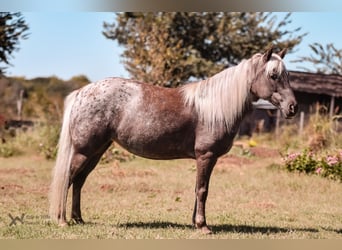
(277, 124)
(332, 106)
(20, 104)
(301, 123)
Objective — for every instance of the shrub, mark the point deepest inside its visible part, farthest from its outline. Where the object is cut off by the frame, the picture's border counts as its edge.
(115, 153)
(329, 166)
(322, 131)
(8, 150)
(49, 135)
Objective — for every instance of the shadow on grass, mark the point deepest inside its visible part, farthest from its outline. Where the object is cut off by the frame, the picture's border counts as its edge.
(338, 231)
(225, 228)
(155, 225)
(247, 229)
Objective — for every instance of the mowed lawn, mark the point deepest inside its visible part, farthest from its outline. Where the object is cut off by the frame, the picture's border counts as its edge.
(146, 199)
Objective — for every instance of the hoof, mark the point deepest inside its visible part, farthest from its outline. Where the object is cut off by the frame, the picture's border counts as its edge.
(62, 223)
(78, 221)
(206, 230)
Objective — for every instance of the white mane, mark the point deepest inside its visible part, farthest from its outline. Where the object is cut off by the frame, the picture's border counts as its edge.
(220, 99)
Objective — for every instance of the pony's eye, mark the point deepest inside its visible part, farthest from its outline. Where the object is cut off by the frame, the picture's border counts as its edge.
(274, 76)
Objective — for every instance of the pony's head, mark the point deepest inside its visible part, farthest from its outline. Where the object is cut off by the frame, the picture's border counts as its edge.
(272, 82)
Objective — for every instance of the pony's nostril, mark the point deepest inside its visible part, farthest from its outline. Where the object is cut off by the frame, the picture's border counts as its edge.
(293, 108)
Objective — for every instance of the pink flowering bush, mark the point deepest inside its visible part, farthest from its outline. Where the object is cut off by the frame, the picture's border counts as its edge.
(332, 166)
(301, 162)
(329, 166)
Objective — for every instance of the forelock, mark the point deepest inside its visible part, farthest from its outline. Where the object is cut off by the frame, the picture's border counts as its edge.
(275, 65)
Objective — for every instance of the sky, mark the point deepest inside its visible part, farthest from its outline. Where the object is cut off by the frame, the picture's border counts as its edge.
(67, 44)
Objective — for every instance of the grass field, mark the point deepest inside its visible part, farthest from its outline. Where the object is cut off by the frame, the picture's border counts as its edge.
(143, 199)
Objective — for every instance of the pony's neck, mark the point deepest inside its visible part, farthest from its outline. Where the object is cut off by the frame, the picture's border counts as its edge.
(222, 99)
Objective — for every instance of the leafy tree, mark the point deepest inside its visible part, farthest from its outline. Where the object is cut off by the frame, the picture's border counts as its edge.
(325, 59)
(79, 81)
(167, 48)
(12, 28)
(44, 96)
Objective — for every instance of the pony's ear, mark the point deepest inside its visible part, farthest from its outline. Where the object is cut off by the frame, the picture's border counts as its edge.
(282, 53)
(267, 55)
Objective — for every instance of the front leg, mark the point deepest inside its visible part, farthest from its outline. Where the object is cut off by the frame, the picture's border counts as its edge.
(205, 164)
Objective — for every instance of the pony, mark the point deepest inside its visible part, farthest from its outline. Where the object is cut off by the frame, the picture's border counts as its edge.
(196, 120)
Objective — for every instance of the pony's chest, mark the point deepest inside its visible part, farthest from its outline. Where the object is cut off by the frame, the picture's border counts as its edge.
(218, 141)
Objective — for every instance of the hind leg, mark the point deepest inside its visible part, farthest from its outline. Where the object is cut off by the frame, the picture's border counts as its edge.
(77, 161)
(77, 184)
(78, 178)
(76, 199)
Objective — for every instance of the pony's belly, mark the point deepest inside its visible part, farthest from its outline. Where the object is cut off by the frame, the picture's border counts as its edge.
(161, 149)
(161, 156)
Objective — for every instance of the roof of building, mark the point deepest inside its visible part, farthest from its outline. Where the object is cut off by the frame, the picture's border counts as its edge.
(316, 83)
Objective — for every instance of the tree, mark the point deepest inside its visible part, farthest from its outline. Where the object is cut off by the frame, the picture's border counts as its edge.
(325, 59)
(167, 48)
(12, 28)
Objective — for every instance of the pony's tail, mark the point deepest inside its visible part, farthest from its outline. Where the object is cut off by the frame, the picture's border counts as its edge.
(61, 173)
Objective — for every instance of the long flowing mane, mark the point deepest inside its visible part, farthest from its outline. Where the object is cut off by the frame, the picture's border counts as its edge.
(220, 99)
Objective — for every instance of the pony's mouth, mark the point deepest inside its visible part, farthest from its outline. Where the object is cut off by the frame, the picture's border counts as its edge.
(288, 108)
(289, 112)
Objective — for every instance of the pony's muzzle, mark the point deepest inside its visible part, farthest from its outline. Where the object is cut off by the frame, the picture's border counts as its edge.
(287, 105)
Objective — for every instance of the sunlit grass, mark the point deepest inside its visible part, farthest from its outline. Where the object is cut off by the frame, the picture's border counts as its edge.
(154, 199)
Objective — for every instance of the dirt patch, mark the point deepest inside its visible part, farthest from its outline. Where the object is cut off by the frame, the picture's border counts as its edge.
(42, 190)
(253, 154)
(263, 152)
(263, 205)
(138, 187)
(107, 188)
(11, 190)
(11, 187)
(123, 173)
(233, 160)
(20, 171)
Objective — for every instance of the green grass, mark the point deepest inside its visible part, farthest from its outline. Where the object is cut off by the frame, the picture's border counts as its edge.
(144, 199)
